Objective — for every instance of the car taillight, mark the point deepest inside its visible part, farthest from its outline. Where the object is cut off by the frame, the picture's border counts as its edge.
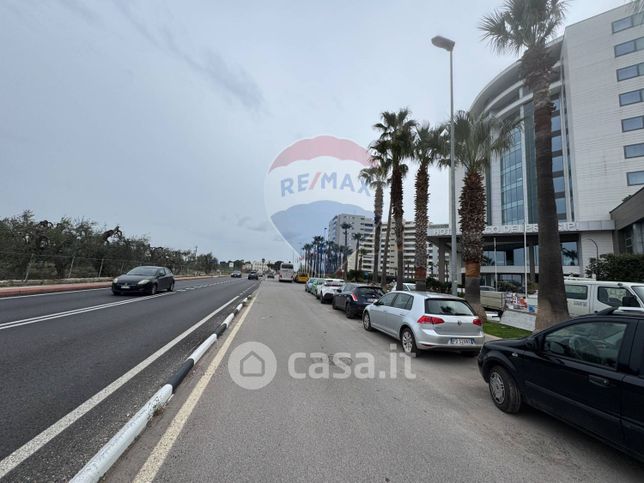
(353, 296)
(477, 322)
(428, 319)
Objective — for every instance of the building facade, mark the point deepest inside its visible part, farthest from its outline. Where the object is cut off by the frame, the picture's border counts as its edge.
(597, 90)
(359, 224)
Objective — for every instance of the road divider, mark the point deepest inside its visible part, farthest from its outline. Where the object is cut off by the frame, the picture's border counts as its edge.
(94, 470)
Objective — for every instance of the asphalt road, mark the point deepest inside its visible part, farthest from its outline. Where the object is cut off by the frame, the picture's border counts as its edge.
(440, 426)
(59, 350)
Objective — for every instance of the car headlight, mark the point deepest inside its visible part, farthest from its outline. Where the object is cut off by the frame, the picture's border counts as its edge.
(116, 280)
(143, 282)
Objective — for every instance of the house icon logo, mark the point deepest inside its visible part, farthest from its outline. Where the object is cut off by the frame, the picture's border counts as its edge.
(252, 365)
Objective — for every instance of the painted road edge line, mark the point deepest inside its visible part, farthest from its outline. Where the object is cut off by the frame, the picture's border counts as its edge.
(28, 449)
(159, 454)
(115, 447)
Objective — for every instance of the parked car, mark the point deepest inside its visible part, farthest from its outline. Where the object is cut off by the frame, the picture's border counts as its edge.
(318, 286)
(425, 321)
(236, 274)
(353, 298)
(311, 284)
(301, 278)
(270, 275)
(253, 275)
(329, 289)
(588, 372)
(144, 279)
(590, 296)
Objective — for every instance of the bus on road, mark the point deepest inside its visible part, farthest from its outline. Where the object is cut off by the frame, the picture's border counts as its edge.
(286, 272)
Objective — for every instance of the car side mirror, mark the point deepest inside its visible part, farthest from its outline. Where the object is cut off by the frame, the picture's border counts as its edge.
(532, 344)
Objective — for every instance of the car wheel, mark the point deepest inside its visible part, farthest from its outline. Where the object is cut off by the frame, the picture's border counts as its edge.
(171, 287)
(322, 300)
(347, 312)
(366, 321)
(504, 391)
(153, 289)
(408, 341)
(114, 292)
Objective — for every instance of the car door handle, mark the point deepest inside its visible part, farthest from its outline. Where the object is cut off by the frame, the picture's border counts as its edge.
(599, 381)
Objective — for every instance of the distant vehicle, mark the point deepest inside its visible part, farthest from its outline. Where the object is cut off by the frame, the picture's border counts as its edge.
(353, 298)
(425, 320)
(323, 281)
(270, 275)
(329, 289)
(309, 286)
(301, 278)
(145, 279)
(588, 372)
(236, 274)
(286, 272)
(409, 287)
(252, 275)
(487, 288)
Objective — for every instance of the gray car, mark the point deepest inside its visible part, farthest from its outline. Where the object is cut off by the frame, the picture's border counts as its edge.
(425, 320)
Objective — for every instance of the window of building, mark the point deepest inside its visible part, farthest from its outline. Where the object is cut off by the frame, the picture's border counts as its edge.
(634, 150)
(632, 97)
(560, 186)
(557, 164)
(632, 123)
(628, 22)
(561, 205)
(629, 47)
(556, 104)
(635, 178)
(556, 124)
(569, 254)
(512, 182)
(556, 143)
(630, 72)
(592, 342)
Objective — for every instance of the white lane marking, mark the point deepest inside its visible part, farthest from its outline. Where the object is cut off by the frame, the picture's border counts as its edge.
(63, 292)
(67, 313)
(160, 452)
(29, 448)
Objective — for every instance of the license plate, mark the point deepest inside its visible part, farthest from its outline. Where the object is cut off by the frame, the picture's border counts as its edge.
(461, 341)
(125, 286)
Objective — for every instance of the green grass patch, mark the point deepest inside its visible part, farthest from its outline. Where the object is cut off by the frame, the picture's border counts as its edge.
(504, 331)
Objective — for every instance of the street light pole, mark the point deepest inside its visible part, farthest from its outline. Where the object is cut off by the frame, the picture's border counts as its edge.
(447, 44)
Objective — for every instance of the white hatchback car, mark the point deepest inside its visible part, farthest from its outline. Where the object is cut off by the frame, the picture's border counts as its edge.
(425, 320)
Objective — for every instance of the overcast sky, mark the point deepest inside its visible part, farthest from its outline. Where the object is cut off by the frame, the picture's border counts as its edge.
(163, 116)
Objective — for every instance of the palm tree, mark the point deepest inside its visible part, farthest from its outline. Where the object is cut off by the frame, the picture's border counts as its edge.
(307, 257)
(376, 176)
(396, 133)
(527, 26)
(429, 149)
(363, 253)
(318, 243)
(358, 237)
(345, 228)
(476, 140)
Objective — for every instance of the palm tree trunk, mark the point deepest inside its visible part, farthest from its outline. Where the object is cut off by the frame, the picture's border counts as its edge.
(553, 306)
(472, 213)
(355, 268)
(385, 252)
(422, 187)
(377, 212)
(397, 198)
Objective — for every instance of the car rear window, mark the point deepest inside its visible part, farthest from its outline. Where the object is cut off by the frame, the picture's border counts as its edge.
(370, 293)
(447, 307)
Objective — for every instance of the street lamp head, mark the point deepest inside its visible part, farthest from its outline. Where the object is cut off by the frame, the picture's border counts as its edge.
(443, 43)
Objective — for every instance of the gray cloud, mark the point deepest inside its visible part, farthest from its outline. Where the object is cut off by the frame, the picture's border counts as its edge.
(210, 65)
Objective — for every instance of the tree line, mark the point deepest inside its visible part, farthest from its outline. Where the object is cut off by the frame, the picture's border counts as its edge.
(31, 248)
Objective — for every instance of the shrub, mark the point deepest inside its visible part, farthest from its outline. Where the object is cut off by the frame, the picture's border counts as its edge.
(619, 268)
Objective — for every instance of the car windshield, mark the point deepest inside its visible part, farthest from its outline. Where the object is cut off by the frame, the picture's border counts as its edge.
(639, 291)
(333, 284)
(369, 292)
(447, 307)
(143, 271)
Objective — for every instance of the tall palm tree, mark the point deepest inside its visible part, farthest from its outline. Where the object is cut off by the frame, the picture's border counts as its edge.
(345, 251)
(358, 237)
(527, 26)
(318, 243)
(397, 134)
(430, 148)
(307, 257)
(476, 140)
(377, 177)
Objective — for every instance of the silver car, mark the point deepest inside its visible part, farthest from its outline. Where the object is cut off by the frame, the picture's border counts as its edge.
(425, 320)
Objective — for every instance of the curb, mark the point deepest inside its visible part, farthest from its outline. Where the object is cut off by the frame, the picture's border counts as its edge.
(102, 461)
